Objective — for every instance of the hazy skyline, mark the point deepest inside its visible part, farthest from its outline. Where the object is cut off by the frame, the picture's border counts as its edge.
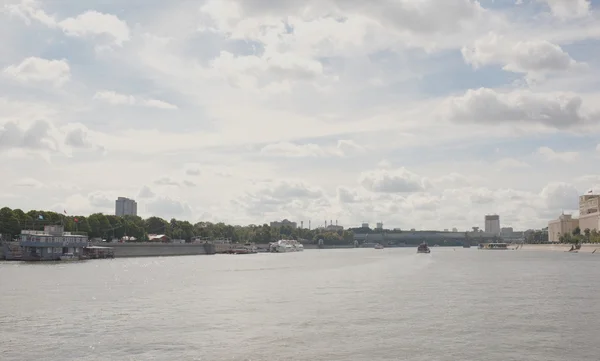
(421, 115)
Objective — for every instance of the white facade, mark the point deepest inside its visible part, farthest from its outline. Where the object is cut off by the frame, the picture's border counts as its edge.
(492, 224)
(588, 204)
(589, 221)
(589, 214)
(565, 224)
(125, 207)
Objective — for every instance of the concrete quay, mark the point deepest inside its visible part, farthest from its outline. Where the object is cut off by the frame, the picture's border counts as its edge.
(148, 249)
(585, 248)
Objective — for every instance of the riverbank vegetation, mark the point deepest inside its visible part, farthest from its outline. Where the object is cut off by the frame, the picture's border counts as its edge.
(99, 225)
(577, 237)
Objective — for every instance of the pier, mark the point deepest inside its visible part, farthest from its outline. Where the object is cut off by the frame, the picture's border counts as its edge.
(98, 252)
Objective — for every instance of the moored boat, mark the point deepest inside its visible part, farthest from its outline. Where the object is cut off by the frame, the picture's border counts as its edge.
(285, 246)
(51, 244)
(247, 248)
(378, 246)
(423, 248)
(69, 257)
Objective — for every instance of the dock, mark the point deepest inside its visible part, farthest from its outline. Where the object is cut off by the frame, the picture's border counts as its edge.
(98, 252)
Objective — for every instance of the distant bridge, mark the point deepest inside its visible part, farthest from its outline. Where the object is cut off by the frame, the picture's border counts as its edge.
(424, 235)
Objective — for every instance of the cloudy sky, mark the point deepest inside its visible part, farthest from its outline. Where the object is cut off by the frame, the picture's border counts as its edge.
(421, 114)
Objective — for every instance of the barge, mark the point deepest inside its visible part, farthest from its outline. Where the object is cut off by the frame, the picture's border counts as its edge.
(51, 244)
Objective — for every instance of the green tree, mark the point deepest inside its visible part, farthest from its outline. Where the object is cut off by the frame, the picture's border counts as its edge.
(156, 225)
(587, 234)
(594, 236)
(109, 226)
(9, 222)
(83, 225)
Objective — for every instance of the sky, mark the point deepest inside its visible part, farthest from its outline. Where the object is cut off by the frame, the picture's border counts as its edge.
(422, 114)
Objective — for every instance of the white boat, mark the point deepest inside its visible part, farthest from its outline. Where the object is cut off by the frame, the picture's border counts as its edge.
(378, 246)
(285, 246)
(423, 248)
(66, 257)
(494, 246)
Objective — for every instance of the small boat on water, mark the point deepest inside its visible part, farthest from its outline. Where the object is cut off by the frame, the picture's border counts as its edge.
(285, 246)
(493, 246)
(423, 248)
(378, 246)
(69, 257)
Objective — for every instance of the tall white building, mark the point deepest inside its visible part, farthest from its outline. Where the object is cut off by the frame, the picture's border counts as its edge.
(492, 224)
(589, 215)
(125, 207)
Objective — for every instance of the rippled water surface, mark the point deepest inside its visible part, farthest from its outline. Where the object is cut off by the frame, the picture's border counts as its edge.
(355, 304)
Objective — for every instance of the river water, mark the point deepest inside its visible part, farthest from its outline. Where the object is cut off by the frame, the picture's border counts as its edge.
(354, 304)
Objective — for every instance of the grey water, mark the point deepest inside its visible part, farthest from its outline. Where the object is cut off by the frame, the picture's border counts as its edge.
(353, 304)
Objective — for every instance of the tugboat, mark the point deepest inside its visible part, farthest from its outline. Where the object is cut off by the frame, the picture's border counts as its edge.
(423, 248)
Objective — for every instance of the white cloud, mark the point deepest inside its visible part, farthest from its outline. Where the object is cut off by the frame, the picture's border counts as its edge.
(550, 155)
(340, 111)
(395, 181)
(556, 110)
(288, 149)
(169, 208)
(77, 138)
(88, 24)
(244, 71)
(102, 200)
(453, 180)
(93, 23)
(532, 57)
(115, 98)
(561, 195)
(293, 150)
(568, 8)
(282, 199)
(29, 183)
(36, 137)
(34, 69)
(166, 181)
(346, 195)
(146, 192)
(507, 163)
(188, 183)
(193, 171)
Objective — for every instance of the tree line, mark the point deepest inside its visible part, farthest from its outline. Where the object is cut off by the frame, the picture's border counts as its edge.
(108, 227)
(577, 237)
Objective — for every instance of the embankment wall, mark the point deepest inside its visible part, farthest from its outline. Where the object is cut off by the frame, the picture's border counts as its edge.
(586, 248)
(159, 249)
